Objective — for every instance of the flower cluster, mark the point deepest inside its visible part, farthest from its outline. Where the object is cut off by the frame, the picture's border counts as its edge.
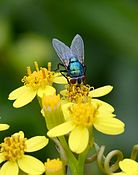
(71, 115)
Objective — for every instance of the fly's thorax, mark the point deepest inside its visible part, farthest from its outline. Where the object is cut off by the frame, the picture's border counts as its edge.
(75, 68)
(73, 59)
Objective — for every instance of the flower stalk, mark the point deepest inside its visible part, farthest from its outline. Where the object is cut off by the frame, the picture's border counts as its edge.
(105, 163)
(134, 152)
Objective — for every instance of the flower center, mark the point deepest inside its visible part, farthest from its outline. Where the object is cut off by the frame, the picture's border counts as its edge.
(38, 78)
(51, 102)
(54, 167)
(83, 114)
(78, 93)
(13, 147)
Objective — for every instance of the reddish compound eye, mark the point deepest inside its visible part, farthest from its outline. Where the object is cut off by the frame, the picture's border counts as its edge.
(72, 81)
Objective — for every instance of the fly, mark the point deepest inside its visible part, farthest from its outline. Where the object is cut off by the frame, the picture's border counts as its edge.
(72, 59)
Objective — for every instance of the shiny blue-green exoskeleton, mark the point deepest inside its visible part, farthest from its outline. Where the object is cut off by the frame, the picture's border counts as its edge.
(72, 59)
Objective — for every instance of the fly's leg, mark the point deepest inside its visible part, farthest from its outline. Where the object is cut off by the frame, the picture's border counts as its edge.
(59, 65)
(62, 73)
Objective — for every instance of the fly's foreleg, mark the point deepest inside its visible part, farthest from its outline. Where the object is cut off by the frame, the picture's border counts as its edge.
(58, 66)
(62, 73)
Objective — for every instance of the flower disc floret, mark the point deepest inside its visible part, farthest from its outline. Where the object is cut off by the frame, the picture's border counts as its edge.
(82, 114)
(76, 93)
(39, 78)
(13, 147)
(54, 167)
(82, 93)
(51, 102)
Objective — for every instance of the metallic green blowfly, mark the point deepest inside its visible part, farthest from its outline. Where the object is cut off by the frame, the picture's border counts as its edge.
(72, 59)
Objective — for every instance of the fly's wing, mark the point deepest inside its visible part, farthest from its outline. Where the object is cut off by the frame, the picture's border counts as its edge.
(63, 51)
(77, 48)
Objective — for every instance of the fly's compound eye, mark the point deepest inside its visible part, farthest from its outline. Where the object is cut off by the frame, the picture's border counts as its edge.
(73, 81)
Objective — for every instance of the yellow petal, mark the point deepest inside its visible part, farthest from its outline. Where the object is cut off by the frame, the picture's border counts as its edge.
(60, 80)
(61, 129)
(17, 92)
(26, 97)
(99, 92)
(4, 127)
(31, 165)
(36, 143)
(129, 166)
(33, 174)
(108, 125)
(9, 168)
(65, 109)
(2, 158)
(103, 105)
(48, 90)
(63, 92)
(120, 173)
(105, 114)
(78, 139)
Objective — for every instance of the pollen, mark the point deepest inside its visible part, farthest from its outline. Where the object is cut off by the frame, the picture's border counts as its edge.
(38, 78)
(83, 114)
(54, 167)
(78, 93)
(51, 102)
(13, 147)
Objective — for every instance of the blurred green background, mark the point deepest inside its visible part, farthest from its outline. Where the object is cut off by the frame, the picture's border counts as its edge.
(110, 32)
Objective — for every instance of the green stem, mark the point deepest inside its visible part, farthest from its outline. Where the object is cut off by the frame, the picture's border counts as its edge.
(134, 152)
(72, 161)
(91, 159)
(39, 101)
(83, 155)
(81, 161)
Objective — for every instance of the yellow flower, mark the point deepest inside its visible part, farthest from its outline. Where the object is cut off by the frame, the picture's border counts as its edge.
(38, 82)
(82, 93)
(81, 117)
(54, 167)
(51, 102)
(51, 110)
(128, 167)
(4, 127)
(12, 151)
